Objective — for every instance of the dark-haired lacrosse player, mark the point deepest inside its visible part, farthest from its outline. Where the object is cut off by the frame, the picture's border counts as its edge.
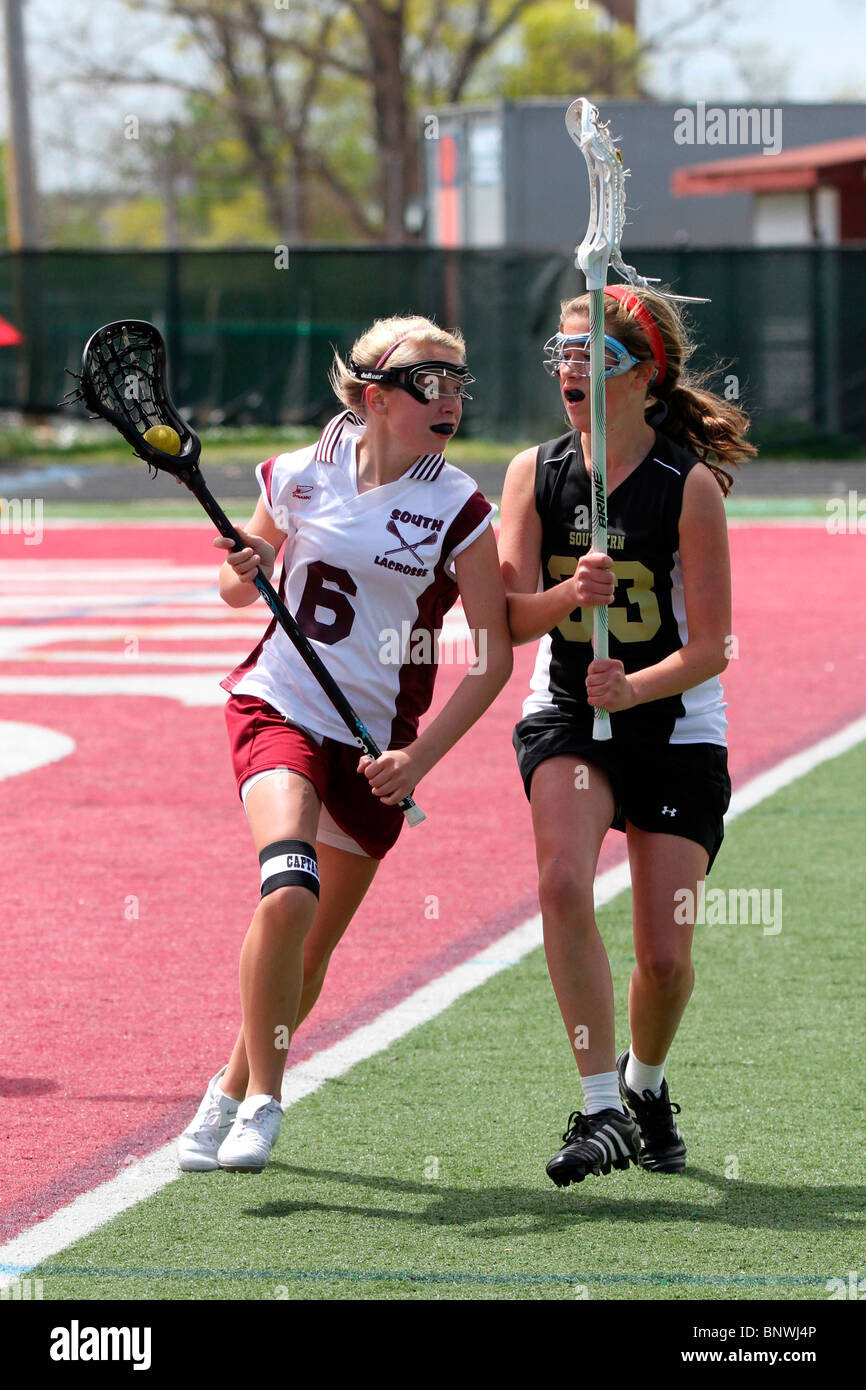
(379, 535)
(662, 778)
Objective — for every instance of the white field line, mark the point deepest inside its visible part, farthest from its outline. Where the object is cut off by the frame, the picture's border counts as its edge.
(217, 661)
(146, 1177)
(24, 747)
(150, 625)
(20, 575)
(189, 689)
(14, 639)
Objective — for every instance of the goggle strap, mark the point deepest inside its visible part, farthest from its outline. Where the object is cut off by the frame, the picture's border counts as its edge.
(387, 374)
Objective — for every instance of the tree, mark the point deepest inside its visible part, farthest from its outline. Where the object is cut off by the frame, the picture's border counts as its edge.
(321, 99)
(316, 88)
(563, 52)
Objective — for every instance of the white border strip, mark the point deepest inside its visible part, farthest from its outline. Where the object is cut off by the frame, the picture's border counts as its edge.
(147, 1176)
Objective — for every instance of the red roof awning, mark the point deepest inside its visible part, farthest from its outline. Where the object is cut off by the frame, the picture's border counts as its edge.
(831, 162)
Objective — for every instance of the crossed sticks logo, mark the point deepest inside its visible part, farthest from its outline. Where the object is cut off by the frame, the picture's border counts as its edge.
(411, 544)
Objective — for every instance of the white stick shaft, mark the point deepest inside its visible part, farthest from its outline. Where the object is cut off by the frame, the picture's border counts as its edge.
(598, 443)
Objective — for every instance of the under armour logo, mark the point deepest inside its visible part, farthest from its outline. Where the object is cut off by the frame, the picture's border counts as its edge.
(669, 810)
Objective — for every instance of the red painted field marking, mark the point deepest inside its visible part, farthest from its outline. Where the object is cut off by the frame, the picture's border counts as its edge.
(130, 878)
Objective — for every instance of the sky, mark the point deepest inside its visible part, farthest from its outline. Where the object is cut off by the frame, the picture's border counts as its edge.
(817, 49)
(775, 50)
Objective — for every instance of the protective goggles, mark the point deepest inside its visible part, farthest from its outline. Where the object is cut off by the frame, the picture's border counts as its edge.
(425, 381)
(574, 352)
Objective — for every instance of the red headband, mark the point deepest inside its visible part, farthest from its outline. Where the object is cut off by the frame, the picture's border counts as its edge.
(633, 305)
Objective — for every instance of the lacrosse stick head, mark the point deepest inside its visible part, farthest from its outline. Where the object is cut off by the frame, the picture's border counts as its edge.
(600, 248)
(123, 379)
(606, 191)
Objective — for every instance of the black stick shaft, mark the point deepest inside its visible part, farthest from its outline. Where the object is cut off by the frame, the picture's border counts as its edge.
(354, 724)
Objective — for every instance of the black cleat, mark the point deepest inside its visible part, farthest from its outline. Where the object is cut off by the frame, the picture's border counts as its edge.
(595, 1144)
(662, 1147)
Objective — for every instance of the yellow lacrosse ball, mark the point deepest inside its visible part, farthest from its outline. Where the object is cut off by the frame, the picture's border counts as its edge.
(164, 438)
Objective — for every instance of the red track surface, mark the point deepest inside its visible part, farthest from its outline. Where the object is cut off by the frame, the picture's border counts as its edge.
(113, 1021)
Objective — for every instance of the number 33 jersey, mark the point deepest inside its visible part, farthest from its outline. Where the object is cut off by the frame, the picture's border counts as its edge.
(368, 576)
(647, 619)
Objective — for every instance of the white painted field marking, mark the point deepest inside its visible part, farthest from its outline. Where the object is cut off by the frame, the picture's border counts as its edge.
(188, 690)
(24, 747)
(143, 1179)
(102, 604)
(135, 660)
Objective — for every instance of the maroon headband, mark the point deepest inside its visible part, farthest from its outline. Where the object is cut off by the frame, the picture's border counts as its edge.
(633, 305)
(386, 355)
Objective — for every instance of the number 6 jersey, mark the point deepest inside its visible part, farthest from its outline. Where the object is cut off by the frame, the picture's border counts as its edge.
(647, 619)
(363, 573)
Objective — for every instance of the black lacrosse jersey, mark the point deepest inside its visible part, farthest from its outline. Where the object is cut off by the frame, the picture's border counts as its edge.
(647, 619)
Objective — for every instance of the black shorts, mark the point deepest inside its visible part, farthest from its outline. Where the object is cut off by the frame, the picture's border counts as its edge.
(664, 788)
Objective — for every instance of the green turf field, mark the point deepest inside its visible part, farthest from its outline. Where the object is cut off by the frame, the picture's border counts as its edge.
(420, 1174)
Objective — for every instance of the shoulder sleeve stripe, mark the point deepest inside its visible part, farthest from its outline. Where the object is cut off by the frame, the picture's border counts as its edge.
(328, 439)
(330, 436)
(468, 524)
(265, 474)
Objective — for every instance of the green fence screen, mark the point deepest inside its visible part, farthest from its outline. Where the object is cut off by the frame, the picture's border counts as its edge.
(250, 332)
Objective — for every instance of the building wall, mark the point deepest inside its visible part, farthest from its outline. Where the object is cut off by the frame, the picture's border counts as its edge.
(794, 219)
(542, 201)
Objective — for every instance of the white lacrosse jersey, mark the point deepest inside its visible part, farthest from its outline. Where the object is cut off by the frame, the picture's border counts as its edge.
(366, 576)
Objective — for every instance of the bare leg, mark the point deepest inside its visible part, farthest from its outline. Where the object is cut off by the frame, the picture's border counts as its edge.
(283, 807)
(345, 878)
(663, 977)
(570, 820)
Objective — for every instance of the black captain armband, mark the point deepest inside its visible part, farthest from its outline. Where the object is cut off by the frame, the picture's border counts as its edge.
(289, 864)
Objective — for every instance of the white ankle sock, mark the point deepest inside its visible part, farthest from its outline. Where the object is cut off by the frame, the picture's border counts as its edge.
(601, 1092)
(640, 1078)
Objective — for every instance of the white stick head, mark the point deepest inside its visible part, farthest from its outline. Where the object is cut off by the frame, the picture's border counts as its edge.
(606, 191)
(600, 248)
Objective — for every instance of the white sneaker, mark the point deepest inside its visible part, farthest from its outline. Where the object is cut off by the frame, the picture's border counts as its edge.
(253, 1134)
(197, 1146)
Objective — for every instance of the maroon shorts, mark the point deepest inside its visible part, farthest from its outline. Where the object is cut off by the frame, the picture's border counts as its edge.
(262, 739)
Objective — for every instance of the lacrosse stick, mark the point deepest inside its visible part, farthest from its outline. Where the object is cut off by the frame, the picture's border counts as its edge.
(123, 380)
(600, 249)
